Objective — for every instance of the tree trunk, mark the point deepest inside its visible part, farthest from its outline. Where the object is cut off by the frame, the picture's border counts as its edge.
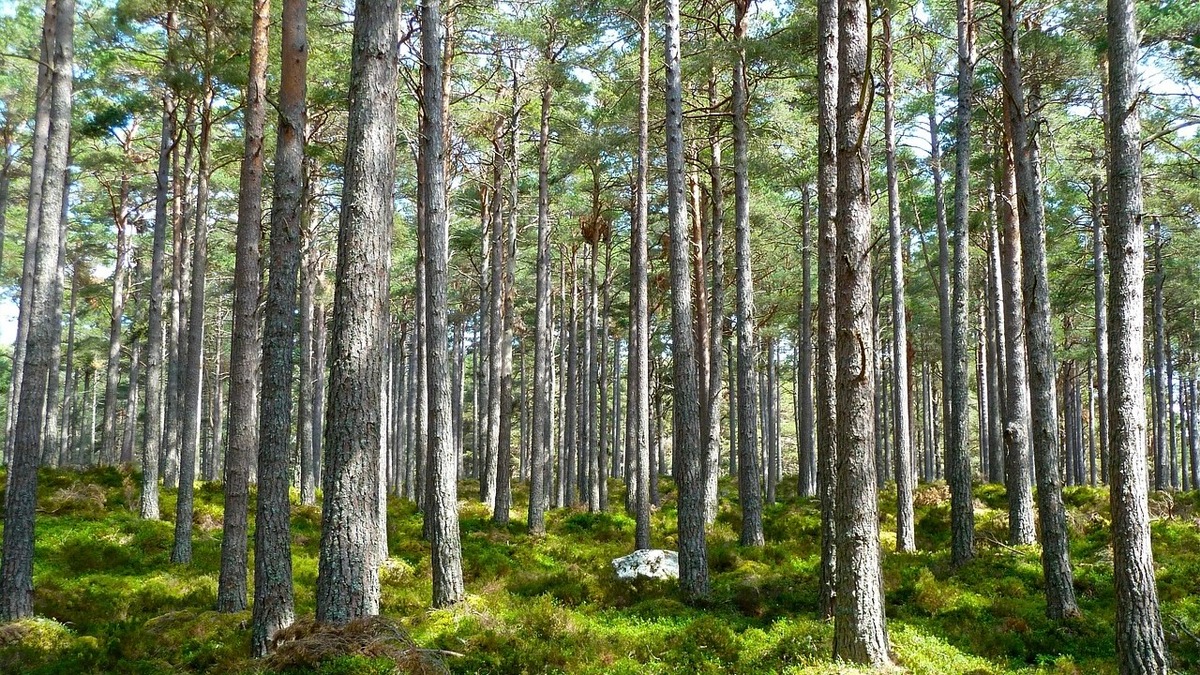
(1140, 644)
(1017, 458)
(749, 475)
(1162, 473)
(348, 575)
(540, 448)
(1101, 325)
(686, 441)
(860, 626)
(905, 538)
(16, 560)
(273, 603)
(639, 341)
(958, 455)
(1056, 564)
(442, 505)
(245, 340)
(122, 263)
(192, 377)
(827, 237)
(153, 430)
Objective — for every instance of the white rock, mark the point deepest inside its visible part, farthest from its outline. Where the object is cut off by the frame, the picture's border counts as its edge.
(648, 563)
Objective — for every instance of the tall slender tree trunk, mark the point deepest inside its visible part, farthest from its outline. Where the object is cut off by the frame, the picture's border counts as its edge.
(1139, 633)
(1056, 563)
(1017, 455)
(958, 454)
(827, 236)
(122, 263)
(443, 488)
(191, 379)
(1098, 259)
(686, 441)
(1162, 474)
(639, 341)
(348, 573)
(245, 338)
(273, 602)
(905, 537)
(860, 626)
(153, 430)
(749, 474)
(16, 558)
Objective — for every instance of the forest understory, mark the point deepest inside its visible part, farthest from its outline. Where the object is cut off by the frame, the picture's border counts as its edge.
(107, 600)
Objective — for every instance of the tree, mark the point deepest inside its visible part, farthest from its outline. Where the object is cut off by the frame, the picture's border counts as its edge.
(442, 502)
(273, 604)
(828, 68)
(16, 556)
(1139, 632)
(749, 489)
(246, 335)
(639, 339)
(860, 626)
(905, 538)
(693, 556)
(1056, 563)
(958, 455)
(153, 430)
(348, 573)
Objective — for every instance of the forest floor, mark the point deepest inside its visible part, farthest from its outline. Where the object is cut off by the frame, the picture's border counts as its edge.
(110, 602)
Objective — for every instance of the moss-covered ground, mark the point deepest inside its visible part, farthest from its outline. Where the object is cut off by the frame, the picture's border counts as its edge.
(109, 601)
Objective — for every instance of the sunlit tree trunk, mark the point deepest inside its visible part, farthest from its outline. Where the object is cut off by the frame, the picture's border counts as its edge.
(1139, 632)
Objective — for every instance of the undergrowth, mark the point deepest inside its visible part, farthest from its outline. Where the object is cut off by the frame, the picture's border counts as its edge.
(109, 601)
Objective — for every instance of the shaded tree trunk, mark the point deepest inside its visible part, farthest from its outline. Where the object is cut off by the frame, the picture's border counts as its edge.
(827, 236)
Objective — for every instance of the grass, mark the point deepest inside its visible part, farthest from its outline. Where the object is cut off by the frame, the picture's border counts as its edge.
(109, 601)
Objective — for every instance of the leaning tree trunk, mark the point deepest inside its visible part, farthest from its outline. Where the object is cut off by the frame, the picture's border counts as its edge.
(693, 562)
(348, 576)
(1056, 563)
(245, 338)
(1140, 644)
(827, 236)
(860, 626)
(16, 559)
(273, 602)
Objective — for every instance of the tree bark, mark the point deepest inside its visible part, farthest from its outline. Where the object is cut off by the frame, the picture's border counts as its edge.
(860, 626)
(273, 602)
(693, 557)
(827, 236)
(348, 573)
(749, 471)
(1056, 564)
(1018, 460)
(245, 338)
(1139, 633)
(905, 537)
(191, 380)
(443, 488)
(16, 558)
